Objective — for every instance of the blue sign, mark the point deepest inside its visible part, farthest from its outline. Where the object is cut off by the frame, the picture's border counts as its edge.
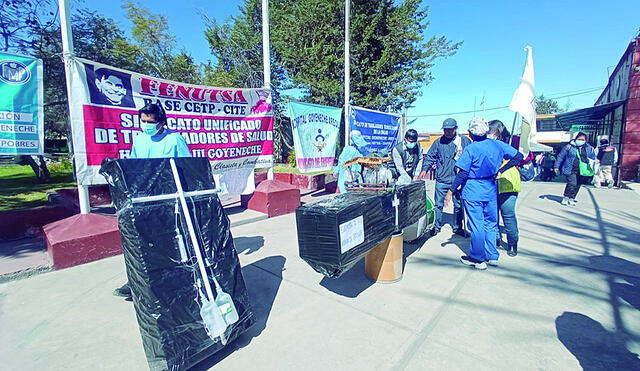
(379, 129)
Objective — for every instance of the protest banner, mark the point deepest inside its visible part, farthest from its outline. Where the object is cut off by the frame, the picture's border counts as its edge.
(379, 129)
(21, 105)
(315, 135)
(233, 128)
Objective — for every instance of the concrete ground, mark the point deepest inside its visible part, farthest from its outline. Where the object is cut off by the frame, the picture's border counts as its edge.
(569, 300)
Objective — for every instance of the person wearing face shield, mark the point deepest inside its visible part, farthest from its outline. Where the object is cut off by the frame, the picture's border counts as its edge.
(406, 158)
(358, 148)
(576, 163)
(480, 164)
(155, 141)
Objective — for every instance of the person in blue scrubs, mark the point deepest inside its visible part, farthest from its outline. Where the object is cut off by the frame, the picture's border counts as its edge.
(155, 141)
(358, 148)
(479, 166)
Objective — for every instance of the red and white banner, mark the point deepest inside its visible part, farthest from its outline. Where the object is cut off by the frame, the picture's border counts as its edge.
(233, 128)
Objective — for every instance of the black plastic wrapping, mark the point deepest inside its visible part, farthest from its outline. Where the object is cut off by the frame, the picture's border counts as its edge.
(412, 199)
(164, 293)
(319, 224)
(321, 242)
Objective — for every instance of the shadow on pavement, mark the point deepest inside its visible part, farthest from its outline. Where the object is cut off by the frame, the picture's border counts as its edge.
(556, 198)
(592, 345)
(248, 245)
(413, 246)
(350, 284)
(263, 279)
(354, 281)
(18, 248)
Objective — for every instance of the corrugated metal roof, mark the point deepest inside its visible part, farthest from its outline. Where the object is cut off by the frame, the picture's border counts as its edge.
(586, 115)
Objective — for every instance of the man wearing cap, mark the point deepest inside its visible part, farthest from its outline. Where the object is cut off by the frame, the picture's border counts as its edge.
(480, 164)
(443, 154)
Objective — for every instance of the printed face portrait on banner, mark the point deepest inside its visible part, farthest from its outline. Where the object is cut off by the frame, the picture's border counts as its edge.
(109, 87)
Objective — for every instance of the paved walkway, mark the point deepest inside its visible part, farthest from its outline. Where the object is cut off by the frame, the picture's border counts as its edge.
(570, 299)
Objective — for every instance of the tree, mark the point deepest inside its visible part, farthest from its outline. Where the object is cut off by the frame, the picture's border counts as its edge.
(237, 46)
(157, 47)
(547, 106)
(391, 56)
(94, 37)
(19, 17)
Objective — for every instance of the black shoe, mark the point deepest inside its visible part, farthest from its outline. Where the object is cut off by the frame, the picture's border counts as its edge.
(498, 241)
(512, 250)
(435, 231)
(461, 232)
(124, 291)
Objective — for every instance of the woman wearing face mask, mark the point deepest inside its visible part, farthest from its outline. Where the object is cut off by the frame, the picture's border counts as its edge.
(575, 162)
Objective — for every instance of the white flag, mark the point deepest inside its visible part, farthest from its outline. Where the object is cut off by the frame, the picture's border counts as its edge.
(524, 103)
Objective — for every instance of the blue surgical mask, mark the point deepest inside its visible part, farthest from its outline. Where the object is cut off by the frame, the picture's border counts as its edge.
(150, 129)
(411, 145)
(580, 143)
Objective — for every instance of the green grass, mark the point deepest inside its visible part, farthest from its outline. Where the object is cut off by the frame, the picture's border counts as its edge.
(20, 189)
(283, 168)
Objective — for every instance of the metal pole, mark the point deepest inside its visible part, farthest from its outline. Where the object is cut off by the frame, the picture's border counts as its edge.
(347, 70)
(266, 53)
(266, 60)
(67, 52)
(404, 122)
(513, 127)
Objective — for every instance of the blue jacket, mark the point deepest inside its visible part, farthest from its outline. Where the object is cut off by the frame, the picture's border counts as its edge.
(565, 159)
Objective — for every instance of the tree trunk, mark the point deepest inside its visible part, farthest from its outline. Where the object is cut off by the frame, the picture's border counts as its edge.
(41, 171)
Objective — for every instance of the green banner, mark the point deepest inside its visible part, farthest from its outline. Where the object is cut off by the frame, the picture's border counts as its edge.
(315, 135)
(21, 101)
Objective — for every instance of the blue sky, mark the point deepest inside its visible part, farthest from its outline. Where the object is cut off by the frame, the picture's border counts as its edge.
(574, 43)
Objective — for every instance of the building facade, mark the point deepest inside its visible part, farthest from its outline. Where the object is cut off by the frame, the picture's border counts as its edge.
(622, 123)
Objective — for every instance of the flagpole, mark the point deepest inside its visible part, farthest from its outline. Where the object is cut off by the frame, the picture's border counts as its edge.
(67, 52)
(266, 53)
(347, 70)
(513, 127)
(266, 60)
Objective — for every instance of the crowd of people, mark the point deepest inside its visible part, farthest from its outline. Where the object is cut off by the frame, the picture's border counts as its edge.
(479, 174)
(482, 177)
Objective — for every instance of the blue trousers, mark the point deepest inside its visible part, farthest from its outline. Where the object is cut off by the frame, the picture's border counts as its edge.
(458, 213)
(482, 217)
(507, 208)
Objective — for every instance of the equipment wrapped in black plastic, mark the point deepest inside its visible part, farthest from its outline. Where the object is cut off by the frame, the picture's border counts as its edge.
(335, 233)
(413, 198)
(161, 267)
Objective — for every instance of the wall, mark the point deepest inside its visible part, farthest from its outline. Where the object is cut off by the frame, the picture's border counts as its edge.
(631, 136)
(618, 87)
(624, 133)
